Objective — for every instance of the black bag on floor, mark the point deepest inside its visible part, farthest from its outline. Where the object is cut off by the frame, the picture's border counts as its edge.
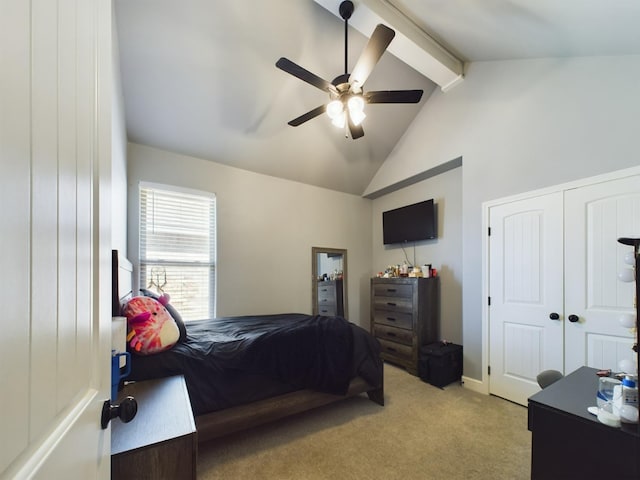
(440, 363)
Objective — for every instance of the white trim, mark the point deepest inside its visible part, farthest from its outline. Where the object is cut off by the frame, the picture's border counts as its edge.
(456, 81)
(604, 177)
(475, 385)
(174, 188)
(485, 296)
(563, 187)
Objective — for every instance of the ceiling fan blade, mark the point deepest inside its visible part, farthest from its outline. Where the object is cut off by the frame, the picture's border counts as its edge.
(356, 130)
(393, 96)
(308, 116)
(369, 57)
(305, 75)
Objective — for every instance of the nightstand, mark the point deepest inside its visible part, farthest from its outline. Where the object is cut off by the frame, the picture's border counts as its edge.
(161, 441)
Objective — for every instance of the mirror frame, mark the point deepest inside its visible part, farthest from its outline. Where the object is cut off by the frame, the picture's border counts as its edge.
(315, 251)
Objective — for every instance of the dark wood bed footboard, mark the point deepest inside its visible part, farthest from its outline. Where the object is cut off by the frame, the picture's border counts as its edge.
(221, 423)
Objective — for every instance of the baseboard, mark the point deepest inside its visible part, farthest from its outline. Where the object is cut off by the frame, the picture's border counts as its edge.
(475, 385)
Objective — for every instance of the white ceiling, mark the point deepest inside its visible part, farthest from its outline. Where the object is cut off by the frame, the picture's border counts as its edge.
(199, 76)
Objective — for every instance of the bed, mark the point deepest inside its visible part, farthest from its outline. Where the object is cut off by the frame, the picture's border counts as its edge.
(245, 371)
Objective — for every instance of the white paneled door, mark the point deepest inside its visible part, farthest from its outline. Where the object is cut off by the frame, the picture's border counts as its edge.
(55, 246)
(525, 285)
(597, 215)
(555, 295)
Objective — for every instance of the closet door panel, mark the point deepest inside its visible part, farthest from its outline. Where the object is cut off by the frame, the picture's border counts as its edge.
(595, 217)
(525, 287)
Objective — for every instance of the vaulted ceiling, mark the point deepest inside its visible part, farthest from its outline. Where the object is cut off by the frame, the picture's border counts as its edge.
(199, 76)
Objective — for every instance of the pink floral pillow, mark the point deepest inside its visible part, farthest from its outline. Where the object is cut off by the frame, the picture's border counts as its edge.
(151, 329)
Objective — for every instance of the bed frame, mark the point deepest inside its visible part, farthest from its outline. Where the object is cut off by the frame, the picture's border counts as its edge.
(223, 422)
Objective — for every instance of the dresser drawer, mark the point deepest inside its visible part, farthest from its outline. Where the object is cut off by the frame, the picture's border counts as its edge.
(393, 304)
(326, 301)
(390, 290)
(326, 293)
(383, 332)
(327, 310)
(397, 350)
(394, 319)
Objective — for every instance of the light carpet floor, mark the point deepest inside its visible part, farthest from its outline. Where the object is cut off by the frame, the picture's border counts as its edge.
(422, 432)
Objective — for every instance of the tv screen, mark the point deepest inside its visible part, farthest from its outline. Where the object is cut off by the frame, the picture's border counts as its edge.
(410, 223)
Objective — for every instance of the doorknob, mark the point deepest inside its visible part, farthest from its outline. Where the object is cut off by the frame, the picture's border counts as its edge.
(554, 316)
(126, 411)
(573, 318)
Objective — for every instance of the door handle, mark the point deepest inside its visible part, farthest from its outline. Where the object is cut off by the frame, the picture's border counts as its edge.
(554, 316)
(126, 411)
(573, 318)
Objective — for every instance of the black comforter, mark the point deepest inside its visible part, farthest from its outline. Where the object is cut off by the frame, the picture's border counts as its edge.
(237, 360)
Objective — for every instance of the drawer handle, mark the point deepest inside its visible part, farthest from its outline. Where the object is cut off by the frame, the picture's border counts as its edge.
(391, 319)
(391, 349)
(391, 304)
(391, 334)
(391, 289)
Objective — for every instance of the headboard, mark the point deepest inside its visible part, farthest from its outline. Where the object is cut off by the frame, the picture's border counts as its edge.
(121, 281)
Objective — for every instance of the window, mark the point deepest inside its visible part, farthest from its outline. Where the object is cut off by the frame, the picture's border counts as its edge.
(178, 247)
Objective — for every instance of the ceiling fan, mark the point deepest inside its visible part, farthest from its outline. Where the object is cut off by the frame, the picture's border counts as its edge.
(347, 97)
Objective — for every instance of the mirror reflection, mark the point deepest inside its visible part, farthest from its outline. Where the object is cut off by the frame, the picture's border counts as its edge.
(329, 281)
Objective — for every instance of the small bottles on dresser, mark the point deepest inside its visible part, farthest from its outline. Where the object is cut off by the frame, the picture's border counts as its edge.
(625, 399)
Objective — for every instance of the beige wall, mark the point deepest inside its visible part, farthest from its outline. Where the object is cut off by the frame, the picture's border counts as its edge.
(266, 228)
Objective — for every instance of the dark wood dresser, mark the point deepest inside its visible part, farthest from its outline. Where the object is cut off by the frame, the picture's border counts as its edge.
(330, 298)
(405, 316)
(161, 441)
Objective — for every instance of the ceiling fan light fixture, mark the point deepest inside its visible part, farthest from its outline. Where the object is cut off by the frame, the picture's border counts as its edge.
(355, 104)
(334, 109)
(356, 109)
(336, 112)
(357, 117)
(340, 119)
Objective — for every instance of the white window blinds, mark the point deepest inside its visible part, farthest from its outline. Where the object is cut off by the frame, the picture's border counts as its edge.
(177, 248)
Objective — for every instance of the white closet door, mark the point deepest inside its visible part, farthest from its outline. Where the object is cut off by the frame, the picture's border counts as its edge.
(596, 216)
(525, 286)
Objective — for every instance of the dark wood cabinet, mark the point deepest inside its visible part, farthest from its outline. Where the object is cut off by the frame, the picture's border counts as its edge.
(161, 441)
(330, 298)
(569, 442)
(404, 317)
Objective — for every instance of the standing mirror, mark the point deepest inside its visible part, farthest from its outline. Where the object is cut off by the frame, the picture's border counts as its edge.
(329, 281)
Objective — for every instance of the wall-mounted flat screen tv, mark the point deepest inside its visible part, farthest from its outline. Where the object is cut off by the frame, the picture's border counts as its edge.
(410, 223)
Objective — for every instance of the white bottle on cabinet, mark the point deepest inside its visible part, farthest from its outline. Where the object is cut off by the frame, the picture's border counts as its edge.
(625, 400)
